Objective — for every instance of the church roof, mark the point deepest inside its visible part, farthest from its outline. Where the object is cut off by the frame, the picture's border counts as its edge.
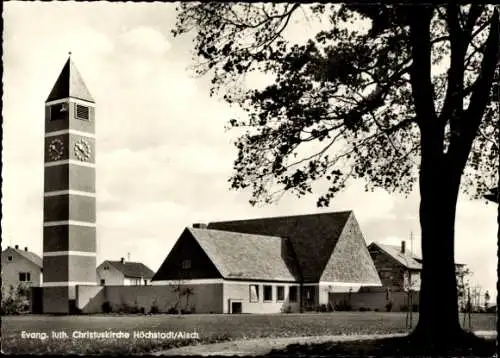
(70, 84)
(246, 256)
(313, 237)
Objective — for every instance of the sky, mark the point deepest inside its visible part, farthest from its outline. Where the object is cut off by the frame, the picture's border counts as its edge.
(163, 156)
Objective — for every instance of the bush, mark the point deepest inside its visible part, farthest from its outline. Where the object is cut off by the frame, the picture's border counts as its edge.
(322, 308)
(16, 301)
(173, 310)
(364, 309)
(388, 306)
(375, 310)
(343, 306)
(154, 309)
(106, 307)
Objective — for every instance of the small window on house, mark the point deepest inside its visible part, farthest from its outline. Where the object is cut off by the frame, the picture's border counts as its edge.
(9, 258)
(103, 281)
(186, 264)
(24, 276)
(81, 112)
(59, 111)
(106, 267)
(254, 293)
(268, 293)
(292, 294)
(280, 293)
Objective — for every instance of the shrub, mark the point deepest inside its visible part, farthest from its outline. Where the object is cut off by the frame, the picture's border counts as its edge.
(364, 309)
(376, 310)
(322, 308)
(16, 301)
(154, 309)
(173, 310)
(388, 306)
(343, 306)
(106, 307)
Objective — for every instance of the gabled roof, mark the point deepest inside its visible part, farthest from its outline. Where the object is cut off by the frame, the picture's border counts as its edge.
(408, 260)
(313, 237)
(132, 269)
(246, 256)
(31, 256)
(70, 84)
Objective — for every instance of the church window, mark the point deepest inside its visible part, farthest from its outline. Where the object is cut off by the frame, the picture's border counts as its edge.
(82, 112)
(280, 293)
(10, 258)
(254, 293)
(186, 264)
(268, 293)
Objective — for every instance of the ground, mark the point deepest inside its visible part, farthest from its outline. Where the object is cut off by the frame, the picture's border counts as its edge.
(210, 328)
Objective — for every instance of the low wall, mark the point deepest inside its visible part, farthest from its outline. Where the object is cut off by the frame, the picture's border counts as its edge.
(374, 300)
(203, 298)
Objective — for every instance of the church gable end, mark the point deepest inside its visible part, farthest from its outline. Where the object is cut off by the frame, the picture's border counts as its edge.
(186, 261)
(351, 262)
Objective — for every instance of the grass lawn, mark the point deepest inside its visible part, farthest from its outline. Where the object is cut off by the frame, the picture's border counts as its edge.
(210, 329)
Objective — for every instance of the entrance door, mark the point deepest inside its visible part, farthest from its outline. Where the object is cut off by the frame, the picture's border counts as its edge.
(236, 307)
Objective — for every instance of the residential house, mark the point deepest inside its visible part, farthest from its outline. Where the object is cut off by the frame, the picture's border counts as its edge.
(20, 267)
(123, 273)
(399, 269)
(279, 264)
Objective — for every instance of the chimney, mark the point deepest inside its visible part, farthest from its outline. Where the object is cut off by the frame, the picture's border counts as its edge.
(200, 226)
(17, 247)
(26, 248)
(403, 247)
(122, 260)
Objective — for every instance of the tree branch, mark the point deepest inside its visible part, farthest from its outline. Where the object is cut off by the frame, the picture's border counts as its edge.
(471, 118)
(420, 69)
(453, 103)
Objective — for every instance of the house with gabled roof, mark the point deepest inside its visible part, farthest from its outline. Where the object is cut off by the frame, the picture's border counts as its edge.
(20, 267)
(273, 264)
(126, 273)
(399, 268)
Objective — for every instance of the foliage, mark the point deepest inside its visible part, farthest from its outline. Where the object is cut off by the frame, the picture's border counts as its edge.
(154, 307)
(17, 300)
(388, 306)
(463, 285)
(343, 306)
(486, 300)
(106, 307)
(349, 102)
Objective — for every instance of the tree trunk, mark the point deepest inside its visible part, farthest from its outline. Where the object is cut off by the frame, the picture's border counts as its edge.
(439, 320)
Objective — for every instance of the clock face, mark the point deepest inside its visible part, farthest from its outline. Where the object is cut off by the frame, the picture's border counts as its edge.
(82, 150)
(56, 149)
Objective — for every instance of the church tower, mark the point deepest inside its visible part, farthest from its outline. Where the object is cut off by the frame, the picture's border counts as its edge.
(69, 208)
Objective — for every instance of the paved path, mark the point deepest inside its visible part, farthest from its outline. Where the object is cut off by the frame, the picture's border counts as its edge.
(262, 346)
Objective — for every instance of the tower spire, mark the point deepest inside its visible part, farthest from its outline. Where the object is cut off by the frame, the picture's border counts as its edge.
(70, 84)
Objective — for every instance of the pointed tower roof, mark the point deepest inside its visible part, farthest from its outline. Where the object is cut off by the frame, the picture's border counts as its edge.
(70, 84)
